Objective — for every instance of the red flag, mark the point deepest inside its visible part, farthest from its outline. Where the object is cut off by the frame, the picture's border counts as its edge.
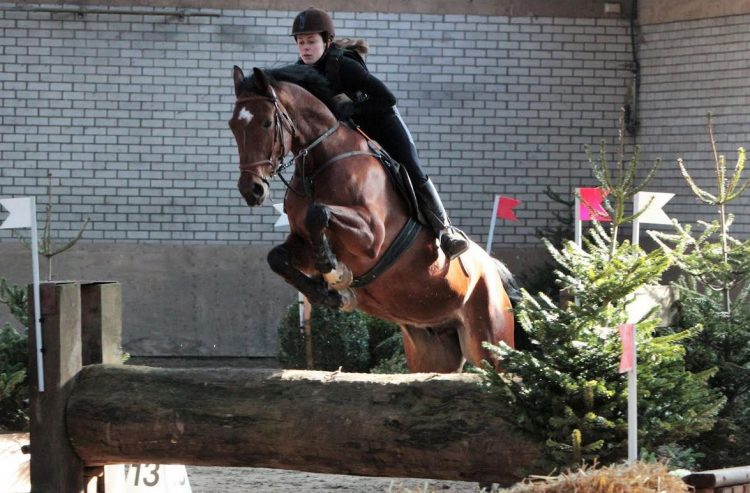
(626, 334)
(590, 207)
(505, 208)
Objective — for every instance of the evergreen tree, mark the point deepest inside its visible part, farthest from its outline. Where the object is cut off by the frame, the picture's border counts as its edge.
(714, 290)
(566, 391)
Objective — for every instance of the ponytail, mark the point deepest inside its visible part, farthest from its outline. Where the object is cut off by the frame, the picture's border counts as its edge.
(358, 45)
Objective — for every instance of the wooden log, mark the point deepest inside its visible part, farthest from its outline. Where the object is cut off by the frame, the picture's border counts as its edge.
(419, 425)
(715, 478)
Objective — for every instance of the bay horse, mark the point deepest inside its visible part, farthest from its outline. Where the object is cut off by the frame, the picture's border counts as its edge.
(346, 216)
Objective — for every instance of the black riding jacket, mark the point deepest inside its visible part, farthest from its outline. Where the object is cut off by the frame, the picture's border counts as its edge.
(370, 96)
(373, 109)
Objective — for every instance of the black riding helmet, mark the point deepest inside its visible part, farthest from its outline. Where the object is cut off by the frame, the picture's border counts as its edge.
(314, 20)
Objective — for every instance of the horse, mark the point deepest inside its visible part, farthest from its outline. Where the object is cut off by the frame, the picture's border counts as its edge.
(347, 218)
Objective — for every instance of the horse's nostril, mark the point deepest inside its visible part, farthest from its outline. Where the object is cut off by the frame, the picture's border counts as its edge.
(257, 190)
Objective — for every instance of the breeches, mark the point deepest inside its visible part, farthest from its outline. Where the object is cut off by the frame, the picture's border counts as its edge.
(390, 131)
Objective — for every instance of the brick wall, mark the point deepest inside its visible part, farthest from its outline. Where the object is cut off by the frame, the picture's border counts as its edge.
(690, 68)
(128, 112)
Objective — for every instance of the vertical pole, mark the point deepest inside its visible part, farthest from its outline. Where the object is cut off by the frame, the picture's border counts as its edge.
(35, 279)
(633, 404)
(493, 223)
(101, 334)
(307, 313)
(577, 215)
(54, 464)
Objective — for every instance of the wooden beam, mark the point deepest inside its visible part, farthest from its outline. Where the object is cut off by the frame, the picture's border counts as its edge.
(423, 425)
(54, 464)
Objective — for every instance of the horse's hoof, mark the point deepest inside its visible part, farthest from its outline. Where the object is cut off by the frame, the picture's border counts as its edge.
(348, 300)
(339, 278)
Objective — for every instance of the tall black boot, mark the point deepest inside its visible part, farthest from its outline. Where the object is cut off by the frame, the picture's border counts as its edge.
(453, 242)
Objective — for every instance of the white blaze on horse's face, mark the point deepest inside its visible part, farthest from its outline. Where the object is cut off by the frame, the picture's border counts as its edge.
(245, 115)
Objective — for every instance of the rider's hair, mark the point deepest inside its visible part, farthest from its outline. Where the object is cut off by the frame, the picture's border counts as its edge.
(358, 45)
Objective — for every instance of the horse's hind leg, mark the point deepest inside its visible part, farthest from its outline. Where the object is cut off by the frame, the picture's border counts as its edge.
(428, 351)
(487, 317)
(288, 258)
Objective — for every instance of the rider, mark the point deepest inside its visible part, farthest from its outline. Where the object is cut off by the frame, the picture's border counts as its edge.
(372, 106)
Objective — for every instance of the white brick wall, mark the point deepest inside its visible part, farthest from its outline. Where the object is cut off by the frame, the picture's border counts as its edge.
(129, 113)
(691, 68)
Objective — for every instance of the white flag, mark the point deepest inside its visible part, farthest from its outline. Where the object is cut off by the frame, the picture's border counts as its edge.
(283, 220)
(652, 213)
(19, 213)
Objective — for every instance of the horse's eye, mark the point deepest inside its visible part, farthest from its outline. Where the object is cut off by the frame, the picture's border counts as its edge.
(267, 123)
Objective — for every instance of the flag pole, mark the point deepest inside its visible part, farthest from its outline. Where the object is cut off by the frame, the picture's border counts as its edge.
(633, 404)
(633, 373)
(578, 227)
(37, 304)
(493, 222)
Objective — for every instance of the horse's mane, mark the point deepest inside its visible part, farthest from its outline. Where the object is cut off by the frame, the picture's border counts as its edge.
(302, 75)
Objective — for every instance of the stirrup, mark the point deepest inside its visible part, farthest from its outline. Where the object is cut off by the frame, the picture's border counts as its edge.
(453, 242)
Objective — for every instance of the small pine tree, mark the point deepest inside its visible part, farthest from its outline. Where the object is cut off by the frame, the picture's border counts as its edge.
(13, 360)
(566, 391)
(714, 290)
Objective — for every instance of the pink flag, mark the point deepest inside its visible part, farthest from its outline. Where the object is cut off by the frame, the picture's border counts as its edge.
(505, 208)
(626, 334)
(590, 208)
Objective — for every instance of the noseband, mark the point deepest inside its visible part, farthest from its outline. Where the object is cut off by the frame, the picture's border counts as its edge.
(281, 120)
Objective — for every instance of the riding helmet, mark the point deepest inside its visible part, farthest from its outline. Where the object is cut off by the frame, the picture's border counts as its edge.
(314, 20)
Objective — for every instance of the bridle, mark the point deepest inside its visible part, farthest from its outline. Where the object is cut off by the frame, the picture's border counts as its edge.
(281, 121)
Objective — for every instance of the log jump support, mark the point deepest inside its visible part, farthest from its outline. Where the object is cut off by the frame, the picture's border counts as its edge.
(96, 412)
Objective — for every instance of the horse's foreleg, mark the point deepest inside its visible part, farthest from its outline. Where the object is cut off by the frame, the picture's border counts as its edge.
(353, 230)
(336, 273)
(288, 258)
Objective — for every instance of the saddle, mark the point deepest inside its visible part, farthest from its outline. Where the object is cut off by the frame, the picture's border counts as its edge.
(398, 175)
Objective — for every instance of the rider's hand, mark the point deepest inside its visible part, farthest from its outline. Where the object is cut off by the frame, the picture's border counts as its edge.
(346, 110)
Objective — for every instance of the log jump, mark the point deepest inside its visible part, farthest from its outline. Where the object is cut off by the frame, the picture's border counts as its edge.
(96, 412)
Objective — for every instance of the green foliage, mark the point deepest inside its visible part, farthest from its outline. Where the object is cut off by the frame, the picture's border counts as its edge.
(566, 391)
(354, 342)
(676, 456)
(714, 289)
(14, 297)
(568, 385)
(13, 383)
(13, 360)
(542, 279)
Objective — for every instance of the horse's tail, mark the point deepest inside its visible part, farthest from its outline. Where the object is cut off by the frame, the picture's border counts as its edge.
(522, 339)
(509, 282)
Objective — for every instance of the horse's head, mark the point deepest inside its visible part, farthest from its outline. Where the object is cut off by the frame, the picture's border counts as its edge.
(263, 131)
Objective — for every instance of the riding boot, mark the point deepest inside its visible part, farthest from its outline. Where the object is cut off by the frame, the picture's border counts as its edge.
(453, 242)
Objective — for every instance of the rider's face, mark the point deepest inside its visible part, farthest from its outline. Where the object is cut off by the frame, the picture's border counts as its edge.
(311, 47)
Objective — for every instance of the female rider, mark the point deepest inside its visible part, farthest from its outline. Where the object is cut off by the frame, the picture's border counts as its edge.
(372, 106)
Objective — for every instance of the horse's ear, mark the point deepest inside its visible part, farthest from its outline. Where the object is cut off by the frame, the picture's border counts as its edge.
(238, 77)
(264, 85)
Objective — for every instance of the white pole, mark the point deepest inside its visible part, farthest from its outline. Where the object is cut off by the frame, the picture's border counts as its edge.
(578, 226)
(37, 304)
(493, 222)
(633, 374)
(633, 405)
